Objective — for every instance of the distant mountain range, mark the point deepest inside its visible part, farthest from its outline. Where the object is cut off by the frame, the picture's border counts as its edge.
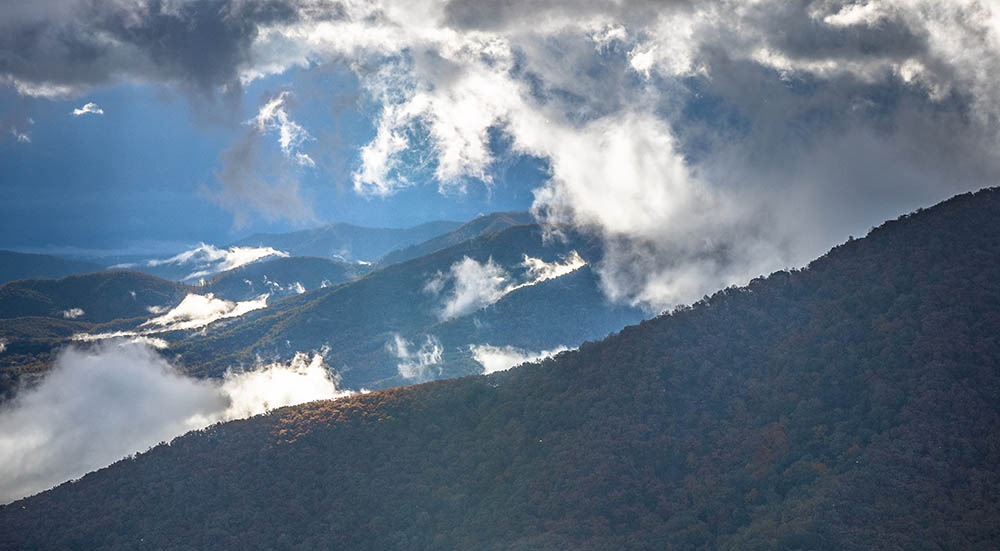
(850, 405)
(371, 321)
(15, 265)
(347, 242)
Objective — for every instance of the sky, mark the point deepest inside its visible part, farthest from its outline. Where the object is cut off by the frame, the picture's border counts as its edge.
(704, 143)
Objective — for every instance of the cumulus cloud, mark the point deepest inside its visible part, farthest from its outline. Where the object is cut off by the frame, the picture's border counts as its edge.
(703, 142)
(475, 285)
(206, 260)
(72, 313)
(501, 358)
(420, 364)
(100, 404)
(89, 108)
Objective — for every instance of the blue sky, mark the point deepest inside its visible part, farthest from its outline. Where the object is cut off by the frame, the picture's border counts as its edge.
(141, 176)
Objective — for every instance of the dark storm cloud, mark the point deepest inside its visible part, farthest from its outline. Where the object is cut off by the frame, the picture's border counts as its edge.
(52, 47)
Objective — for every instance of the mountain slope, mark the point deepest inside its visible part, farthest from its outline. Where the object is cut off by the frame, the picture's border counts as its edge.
(23, 265)
(484, 225)
(97, 297)
(281, 277)
(346, 241)
(358, 322)
(852, 405)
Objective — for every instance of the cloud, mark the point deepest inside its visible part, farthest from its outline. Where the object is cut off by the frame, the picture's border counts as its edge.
(249, 184)
(420, 364)
(703, 142)
(72, 313)
(100, 404)
(91, 108)
(19, 136)
(200, 310)
(497, 358)
(207, 260)
(273, 116)
(475, 285)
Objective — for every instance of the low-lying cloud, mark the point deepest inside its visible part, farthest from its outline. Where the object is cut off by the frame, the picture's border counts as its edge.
(417, 364)
(200, 310)
(475, 285)
(207, 260)
(72, 313)
(118, 398)
(501, 358)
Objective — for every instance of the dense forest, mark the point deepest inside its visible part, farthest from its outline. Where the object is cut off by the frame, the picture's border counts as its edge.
(853, 404)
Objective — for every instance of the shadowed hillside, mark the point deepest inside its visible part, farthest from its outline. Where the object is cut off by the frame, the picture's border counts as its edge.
(851, 405)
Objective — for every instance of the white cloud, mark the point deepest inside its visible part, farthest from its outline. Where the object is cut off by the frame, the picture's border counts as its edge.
(500, 358)
(200, 310)
(19, 136)
(695, 139)
(273, 116)
(417, 364)
(72, 313)
(207, 260)
(100, 404)
(90, 108)
(475, 285)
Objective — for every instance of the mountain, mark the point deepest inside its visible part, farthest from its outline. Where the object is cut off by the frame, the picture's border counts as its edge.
(361, 323)
(282, 277)
(96, 298)
(850, 405)
(491, 223)
(23, 265)
(39, 316)
(347, 242)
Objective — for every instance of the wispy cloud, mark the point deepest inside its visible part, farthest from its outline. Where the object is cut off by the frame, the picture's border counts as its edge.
(474, 285)
(89, 108)
(500, 358)
(100, 404)
(197, 311)
(206, 260)
(418, 364)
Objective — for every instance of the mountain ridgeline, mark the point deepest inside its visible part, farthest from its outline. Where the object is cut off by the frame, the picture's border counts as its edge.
(348, 242)
(850, 405)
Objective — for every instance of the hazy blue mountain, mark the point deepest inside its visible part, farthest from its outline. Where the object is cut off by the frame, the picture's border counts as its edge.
(359, 322)
(850, 405)
(483, 225)
(280, 277)
(15, 265)
(346, 241)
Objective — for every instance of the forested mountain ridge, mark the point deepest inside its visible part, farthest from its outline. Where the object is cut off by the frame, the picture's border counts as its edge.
(850, 405)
